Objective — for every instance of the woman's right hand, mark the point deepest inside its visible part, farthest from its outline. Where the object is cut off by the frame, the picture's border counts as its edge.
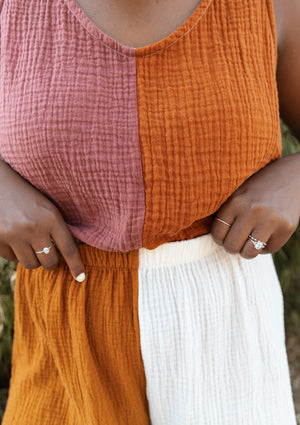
(29, 222)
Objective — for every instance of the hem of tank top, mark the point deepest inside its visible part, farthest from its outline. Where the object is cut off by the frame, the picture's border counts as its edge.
(151, 49)
(81, 242)
(104, 230)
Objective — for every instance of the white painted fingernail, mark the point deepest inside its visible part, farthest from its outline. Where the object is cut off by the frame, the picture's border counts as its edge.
(80, 278)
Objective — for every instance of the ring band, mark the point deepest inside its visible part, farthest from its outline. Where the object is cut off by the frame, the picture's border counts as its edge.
(45, 250)
(222, 221)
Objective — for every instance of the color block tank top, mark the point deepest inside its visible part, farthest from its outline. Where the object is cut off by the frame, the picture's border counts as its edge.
(138, 146)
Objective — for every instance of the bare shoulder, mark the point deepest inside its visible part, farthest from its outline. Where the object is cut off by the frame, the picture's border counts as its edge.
(287, 17)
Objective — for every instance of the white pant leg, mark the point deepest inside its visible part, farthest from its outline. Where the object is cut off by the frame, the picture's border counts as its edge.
(212, 337)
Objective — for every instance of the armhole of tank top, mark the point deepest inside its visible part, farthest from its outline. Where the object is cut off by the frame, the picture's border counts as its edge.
(1, 5)
(272, 21)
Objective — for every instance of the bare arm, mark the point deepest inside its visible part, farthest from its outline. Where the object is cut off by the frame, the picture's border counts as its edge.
(287, 15)
(29, 222)
(267, 205)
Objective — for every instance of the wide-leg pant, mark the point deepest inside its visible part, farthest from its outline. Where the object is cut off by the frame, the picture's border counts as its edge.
(185, 334)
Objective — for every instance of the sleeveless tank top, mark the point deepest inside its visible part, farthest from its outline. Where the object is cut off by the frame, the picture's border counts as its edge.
(138, 146)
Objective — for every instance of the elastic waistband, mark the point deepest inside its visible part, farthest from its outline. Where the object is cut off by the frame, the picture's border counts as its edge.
(166, 254)
(177, 252)
(108, 259)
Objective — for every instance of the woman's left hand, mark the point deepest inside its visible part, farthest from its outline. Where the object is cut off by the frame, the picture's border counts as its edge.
(266, 206)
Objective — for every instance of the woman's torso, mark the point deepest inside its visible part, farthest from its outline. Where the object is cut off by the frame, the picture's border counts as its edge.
(138, 146)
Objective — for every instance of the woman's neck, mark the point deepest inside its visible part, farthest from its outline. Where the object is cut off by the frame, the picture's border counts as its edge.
(137, 23)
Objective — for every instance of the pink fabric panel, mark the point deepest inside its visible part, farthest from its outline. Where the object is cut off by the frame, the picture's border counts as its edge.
(68, 121)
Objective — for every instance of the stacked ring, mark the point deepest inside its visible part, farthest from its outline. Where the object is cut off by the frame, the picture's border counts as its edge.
(257, 243)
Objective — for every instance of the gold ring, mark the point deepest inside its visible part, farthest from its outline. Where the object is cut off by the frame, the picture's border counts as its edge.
(222, 221)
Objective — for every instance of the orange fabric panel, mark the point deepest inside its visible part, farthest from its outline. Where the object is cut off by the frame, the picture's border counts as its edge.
(208, 115)
(76, 351)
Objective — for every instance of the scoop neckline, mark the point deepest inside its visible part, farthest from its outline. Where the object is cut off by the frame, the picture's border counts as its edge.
(149, 49)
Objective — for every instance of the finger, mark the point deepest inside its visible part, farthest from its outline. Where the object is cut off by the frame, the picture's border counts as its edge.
(276, 241)
(252, 249)
(7, 253)
(68, 249)
(25, 255)
(237, 235)
(47, 255)
(219, 229)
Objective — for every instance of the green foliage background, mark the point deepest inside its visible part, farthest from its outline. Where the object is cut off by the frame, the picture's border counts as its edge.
(287, 262)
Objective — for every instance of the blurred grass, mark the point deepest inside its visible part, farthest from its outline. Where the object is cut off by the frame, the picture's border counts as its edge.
(7, 278)
(287, 262)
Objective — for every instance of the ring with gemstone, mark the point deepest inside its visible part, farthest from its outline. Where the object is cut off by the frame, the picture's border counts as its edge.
(257, 243)
(45, 250)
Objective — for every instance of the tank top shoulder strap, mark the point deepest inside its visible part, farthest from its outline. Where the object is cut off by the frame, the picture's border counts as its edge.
(255, 20)
(271, 13)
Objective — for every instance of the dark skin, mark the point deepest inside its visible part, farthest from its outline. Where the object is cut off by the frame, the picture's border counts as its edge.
(267, 205)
